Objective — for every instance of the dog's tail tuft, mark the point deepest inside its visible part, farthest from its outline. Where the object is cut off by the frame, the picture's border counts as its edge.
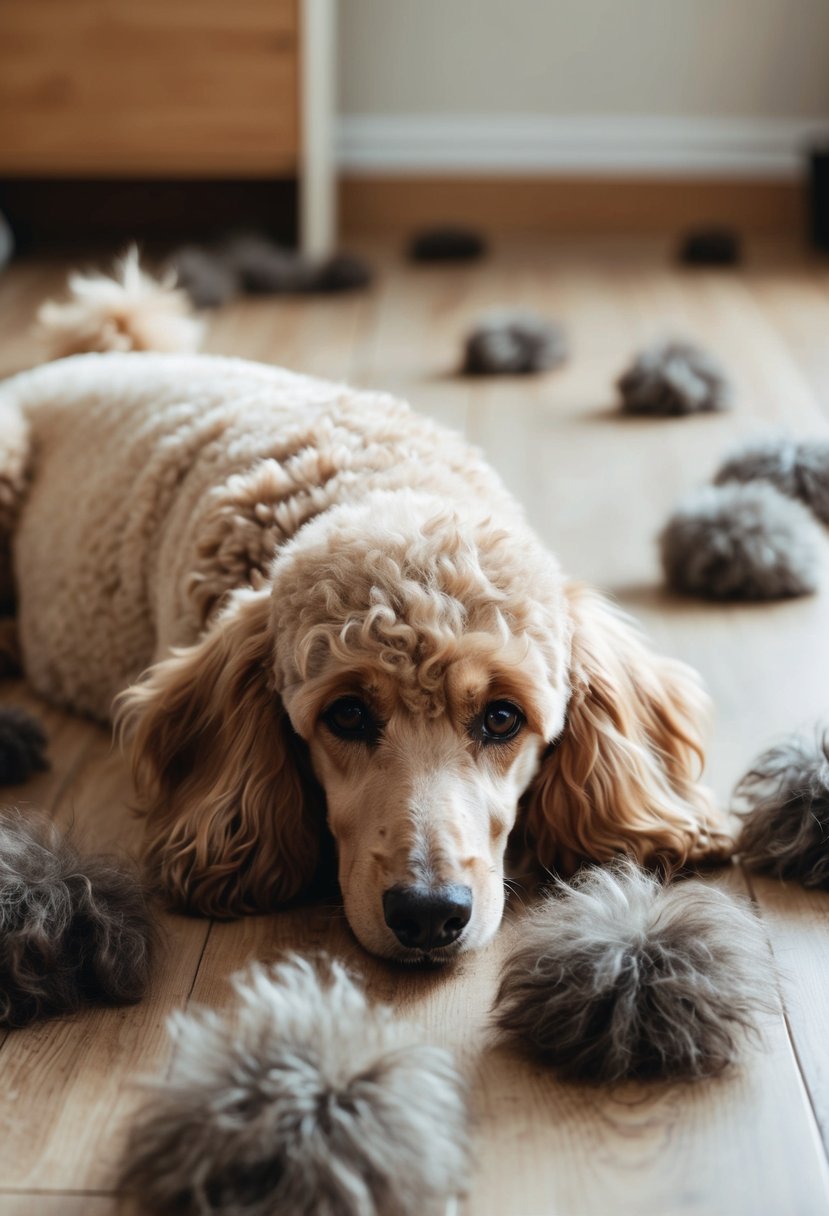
(129, 310)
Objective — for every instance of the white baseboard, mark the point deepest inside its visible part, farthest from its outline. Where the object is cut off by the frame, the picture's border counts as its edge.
(595, 145)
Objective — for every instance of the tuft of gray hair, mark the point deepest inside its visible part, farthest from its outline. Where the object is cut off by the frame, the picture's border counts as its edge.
(619, 976)
(798, 468)
(513, 343)
(785, 828)
(673, 378)
(22, 745)
(306, 1101)
(741, 542)
(265, 268)
(74, 930)
(206, 277)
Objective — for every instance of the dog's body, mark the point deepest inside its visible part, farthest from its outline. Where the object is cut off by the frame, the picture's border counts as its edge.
(159, 483)
(344, 615)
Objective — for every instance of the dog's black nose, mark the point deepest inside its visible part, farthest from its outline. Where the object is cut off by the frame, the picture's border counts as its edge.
(427, 917)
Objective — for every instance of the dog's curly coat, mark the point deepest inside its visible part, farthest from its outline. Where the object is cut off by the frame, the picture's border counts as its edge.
(288, 561)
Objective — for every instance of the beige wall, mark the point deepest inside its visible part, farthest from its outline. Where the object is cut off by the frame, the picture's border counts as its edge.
(733, 58)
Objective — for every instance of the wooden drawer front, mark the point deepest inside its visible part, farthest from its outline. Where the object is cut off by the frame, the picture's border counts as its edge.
(175, 87)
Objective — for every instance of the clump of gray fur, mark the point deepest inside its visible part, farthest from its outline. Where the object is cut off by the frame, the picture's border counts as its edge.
(618, 976)
(74, 930)
(785, 828)
(798, 468)
(257, 265)
(674, 378)
(265, 268)
(306, 1101)
(513, 343)
(205, 276)
(741, 542)
(22, 745)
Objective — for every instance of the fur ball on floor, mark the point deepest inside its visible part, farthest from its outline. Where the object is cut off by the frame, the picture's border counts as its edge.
(799, 468)
(22, 745)
(711, 247)
(741, 542)
(511, 343)
(205, 276)
(618, 976)
(307, 1101)
(671, 379)
(128, 311)
(785, 812)
(447, 244)
(265, 268)
(74, 930)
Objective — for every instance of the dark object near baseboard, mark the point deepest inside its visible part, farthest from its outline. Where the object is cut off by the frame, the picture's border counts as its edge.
(60, 213)
(447, 245)
(254, 264)
(819, 197)
(710, 247)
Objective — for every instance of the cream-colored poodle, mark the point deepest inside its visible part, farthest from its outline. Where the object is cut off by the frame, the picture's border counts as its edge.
(315, 610)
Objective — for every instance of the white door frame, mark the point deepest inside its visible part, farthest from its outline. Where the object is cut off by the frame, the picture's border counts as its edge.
(318, 105)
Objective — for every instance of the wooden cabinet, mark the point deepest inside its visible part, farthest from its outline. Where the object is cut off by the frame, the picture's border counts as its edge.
(103, 88)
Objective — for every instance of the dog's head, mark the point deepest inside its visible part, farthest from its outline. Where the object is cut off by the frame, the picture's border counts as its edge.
(436, 678)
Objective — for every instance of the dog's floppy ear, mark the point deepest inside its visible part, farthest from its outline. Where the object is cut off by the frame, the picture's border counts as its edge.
(232, 825)
(622, 778)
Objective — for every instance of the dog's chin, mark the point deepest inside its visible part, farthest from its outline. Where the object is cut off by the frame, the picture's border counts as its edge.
(393, 952)
(439, 957)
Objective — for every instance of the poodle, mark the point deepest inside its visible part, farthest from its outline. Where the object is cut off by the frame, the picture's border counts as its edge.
(313, 613)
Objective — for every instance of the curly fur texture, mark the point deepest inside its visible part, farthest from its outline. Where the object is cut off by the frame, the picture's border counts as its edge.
(305, 1101)
(22, 745)
(785, 807)
(672, 379)
(798, 468)
(128, 311)
(619, 976)
(512, 343)
(741, 542)
(447, 243)
(15, 468)
(74, 929)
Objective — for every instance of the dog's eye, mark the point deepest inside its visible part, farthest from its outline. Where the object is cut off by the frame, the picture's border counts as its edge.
(350, 718)
(501, 720)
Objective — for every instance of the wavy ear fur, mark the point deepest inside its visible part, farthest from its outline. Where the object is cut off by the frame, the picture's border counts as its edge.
(232, 825)
(622, 779)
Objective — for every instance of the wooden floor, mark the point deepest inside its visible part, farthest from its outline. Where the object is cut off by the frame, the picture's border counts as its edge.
(597, 487)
